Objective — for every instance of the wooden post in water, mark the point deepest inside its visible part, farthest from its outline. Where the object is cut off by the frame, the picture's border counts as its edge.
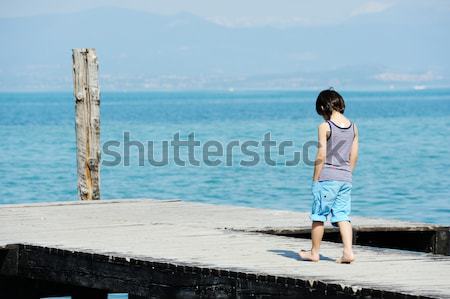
(87, 123)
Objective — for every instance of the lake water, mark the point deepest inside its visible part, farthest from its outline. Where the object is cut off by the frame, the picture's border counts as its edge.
(403, 170)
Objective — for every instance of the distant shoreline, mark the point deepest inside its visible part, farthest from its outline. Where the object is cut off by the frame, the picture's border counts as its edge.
(245, 90)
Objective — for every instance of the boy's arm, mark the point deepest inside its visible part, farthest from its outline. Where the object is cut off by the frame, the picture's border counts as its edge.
(354, 151)
(321, 150)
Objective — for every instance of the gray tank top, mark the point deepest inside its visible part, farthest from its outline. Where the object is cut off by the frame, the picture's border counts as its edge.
(339, 146)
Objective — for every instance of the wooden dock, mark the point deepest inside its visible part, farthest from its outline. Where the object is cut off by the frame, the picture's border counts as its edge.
(178, 249)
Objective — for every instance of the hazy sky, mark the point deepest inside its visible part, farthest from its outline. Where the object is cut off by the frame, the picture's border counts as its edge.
(236, 12)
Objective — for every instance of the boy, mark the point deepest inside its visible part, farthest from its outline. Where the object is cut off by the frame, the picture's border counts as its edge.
(336, 158)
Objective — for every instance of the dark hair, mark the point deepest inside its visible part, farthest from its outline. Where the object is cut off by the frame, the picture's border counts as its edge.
(329, 100)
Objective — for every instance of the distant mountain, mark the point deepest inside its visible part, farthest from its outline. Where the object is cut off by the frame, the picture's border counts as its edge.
(139, 51)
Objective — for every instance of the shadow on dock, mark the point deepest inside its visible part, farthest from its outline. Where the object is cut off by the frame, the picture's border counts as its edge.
(294, 255)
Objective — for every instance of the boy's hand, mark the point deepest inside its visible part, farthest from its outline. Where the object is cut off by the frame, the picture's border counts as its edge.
(315, 186)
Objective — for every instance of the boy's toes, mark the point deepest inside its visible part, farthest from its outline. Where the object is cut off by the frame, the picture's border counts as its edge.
(308, 256)
(345, 260)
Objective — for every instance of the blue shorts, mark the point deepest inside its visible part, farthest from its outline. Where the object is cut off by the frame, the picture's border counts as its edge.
(331, 197)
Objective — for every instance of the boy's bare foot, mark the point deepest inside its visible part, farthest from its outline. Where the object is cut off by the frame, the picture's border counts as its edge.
(307, 255)
(347, 258)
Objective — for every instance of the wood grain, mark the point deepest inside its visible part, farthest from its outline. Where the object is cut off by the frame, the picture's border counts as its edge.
(87, 122)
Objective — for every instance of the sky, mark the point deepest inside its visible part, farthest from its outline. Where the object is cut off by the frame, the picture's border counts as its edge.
(233, 9)
(383, 43)
(235, 12)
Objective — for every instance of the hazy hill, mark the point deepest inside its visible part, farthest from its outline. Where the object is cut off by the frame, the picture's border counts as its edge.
(140, 50)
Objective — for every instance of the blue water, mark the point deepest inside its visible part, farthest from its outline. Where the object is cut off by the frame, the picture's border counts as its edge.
(403, 171)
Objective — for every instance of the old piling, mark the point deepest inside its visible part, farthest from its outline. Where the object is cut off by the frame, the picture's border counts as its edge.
(87, 123)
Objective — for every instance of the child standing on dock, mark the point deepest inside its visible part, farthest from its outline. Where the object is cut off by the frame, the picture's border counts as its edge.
(332, 180)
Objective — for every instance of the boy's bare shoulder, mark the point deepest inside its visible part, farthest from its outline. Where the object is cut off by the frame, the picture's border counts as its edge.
(324, 126)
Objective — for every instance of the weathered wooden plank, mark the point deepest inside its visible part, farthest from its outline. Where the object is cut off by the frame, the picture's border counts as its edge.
(87, 122)
(90, 273)
(217, 239)
(9, 260)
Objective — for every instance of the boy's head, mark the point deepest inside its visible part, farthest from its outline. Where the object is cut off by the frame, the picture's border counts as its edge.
(329, 100)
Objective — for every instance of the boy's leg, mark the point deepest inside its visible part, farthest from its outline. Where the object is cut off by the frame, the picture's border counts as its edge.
(316, 237)
(319, 213)
(345, 227)
(340, 216)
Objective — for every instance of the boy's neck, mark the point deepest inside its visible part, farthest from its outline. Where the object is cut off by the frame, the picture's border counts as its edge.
(339, 118)
(336, 114)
